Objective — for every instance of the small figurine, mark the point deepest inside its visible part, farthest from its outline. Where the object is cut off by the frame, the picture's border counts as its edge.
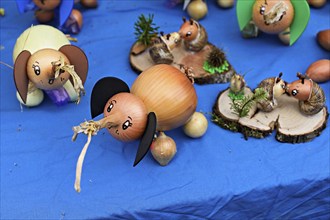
(51, 65)
(282, 17)
(193, 34)
(161, 49)
(237, 84)
(161, 98)
(69, 20)
(275, 87)
(310, 95)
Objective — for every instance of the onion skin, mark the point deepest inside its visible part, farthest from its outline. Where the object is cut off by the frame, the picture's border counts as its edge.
(196, 126)
(317, 3)
(278, 26)
(319, 71)
(168, 93)
(44, 16)
(44, 79)
(323, 38)
(125, 107)
(163, 149)
(47, 5)
(197, 9)
(89, 3)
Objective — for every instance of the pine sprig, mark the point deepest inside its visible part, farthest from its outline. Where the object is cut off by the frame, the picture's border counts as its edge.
(241, 107)
(145, 29)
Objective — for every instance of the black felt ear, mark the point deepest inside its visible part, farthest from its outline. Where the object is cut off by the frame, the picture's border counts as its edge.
(103, 90)
(147, 138)
(20, 74)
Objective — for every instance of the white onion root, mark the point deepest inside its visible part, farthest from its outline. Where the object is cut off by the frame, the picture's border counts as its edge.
(80, 163)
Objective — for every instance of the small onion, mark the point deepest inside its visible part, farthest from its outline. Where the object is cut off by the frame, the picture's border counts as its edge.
(323, 38)
(168, 93)
(196, 126)
(163, 149)
(89, 3)
(197, 9)
(47, 5)
(317, 3)
(226, 3)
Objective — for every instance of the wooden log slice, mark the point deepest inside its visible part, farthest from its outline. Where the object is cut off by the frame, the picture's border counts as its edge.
(290, 124)
(141, 61)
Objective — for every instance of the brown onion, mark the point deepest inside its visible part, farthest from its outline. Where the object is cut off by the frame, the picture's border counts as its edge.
(273, 17)
(319, 71)
(163, 149)
(166, 91)
(323, 38)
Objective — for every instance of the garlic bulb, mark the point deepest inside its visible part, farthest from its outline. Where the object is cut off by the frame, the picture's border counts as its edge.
(163, 149)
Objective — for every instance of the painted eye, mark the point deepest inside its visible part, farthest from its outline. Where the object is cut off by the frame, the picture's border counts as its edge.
(110, 107)
(294, 92)
(188, 34)
(50, 81)
(126, 124)
(262, 10)
(36, 69)
(283, 86)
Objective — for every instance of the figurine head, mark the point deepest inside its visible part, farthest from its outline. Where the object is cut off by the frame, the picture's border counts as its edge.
(300, 89)
(279, 86)
(171, 40)
(273, 16)
(189, 29)
(44, 68)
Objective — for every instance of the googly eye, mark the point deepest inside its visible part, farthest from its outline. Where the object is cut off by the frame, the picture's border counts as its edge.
(188, 34)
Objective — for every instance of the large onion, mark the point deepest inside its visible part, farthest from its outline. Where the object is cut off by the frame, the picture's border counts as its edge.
(166, 91)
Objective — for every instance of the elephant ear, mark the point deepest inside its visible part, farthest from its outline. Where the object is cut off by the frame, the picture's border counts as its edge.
(78, 59)
(103, 90)
(65, 10)
(20, 74)
(147, 138)
(300, 20)
(244, 12)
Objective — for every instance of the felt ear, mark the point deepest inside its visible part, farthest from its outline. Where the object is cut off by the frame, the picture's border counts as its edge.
(147, 138)
(103, 90)
(78, 59)
(20, 74)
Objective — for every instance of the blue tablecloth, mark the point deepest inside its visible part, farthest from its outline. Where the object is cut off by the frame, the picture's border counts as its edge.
(219, 176)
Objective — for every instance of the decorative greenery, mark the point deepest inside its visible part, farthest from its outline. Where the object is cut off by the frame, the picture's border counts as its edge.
(241, 107)
(216, 62)
(145, 29)
(236, 96)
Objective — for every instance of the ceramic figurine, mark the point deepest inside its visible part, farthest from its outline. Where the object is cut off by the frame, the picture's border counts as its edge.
(161, 98)
(51, 65)
(287, 18)
(310, 95)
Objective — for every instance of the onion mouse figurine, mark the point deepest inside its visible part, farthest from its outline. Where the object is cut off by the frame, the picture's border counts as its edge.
(49, 64)
(161, 98)
(310, 95)
(282, 17)
(68, 19)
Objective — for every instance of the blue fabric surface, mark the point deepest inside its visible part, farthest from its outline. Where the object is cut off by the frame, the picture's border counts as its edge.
(219, 176)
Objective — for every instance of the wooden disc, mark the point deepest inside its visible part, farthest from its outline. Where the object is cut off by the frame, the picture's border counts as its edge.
(290, 124)
(140, 61)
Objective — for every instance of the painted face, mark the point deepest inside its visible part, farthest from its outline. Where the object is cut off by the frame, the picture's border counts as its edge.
(188, 31)
(41, 71)
(279, 88)
(273, 16)
(300, 91)
(47, 4)
(127, 116)
(172, 40)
